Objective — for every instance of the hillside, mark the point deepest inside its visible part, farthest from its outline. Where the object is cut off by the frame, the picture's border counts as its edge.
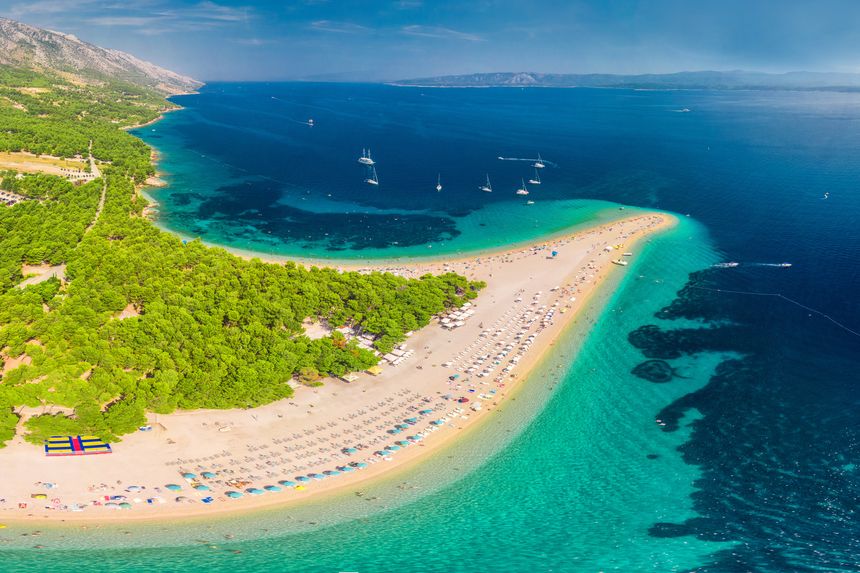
(23, 46)
(680, 80)
(104, 317)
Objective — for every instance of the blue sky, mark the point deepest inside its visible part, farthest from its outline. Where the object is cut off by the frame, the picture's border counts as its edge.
(391, 39)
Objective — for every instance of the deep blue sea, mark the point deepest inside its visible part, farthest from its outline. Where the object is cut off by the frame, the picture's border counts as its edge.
(752, 371)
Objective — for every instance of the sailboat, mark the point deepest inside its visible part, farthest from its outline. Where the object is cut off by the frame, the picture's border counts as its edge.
(536, 179)
(539, 163)
(523, 190)
(439, 182)
(373, 179)
(487, 188)
(365, 157)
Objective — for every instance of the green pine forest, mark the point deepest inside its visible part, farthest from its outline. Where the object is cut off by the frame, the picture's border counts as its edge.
(210, 330)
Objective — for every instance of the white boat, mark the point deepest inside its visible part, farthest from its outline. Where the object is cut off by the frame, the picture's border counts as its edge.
(620, 262)
(487, 188)
(784, 265)
(530, 202)
(373, 179)
(627, 254)
(536, 179)
(523, 190)
(439, 182)
(729, 265)
(311, 122)
(539, 164)
(365, 157)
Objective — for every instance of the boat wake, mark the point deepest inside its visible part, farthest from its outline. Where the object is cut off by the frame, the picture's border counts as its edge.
(531, 159)
(732, 264)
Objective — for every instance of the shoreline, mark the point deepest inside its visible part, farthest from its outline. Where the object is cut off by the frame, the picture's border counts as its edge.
(437, 441)
(622, 211)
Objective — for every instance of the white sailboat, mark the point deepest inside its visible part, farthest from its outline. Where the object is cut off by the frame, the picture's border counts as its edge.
(487, 188)
(365, 157)
(536, 179)
(373, 179)
(523, 190)
(439, 182)
(539, 164)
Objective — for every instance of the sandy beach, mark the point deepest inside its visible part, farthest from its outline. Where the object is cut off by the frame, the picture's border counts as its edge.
(443, 380)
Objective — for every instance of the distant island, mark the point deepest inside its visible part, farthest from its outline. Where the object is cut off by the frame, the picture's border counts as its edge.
(710, 80)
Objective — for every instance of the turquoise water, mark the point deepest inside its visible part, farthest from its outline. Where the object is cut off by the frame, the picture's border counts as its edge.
(560, 479)
(752, 370)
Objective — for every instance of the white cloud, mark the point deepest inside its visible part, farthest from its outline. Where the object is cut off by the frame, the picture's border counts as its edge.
(145, 15)
(339, 27)
(252, 41)
(439, 32)
(133, 21)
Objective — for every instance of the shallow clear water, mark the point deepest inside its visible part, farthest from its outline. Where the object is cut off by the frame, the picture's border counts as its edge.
(756, 466)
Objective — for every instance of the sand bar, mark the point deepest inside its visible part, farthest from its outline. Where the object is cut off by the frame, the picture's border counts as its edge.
(478, 354)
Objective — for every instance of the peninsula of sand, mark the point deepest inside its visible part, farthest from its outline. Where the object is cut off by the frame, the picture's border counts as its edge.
(446, 378)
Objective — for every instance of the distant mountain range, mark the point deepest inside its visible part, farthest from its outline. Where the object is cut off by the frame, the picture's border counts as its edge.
(731, 80)
(24, 46)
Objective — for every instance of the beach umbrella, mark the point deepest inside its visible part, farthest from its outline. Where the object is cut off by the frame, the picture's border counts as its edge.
(255, 491)
(361, 465)
(271, 488)
(181, 499)
(300, 487)
(403, 426)
(287, 483)
(173, 487)
(392, 448)
(411, 421)
(415, 438)
(209, 475)
(303, 478)
(425, 412)
(112, 505)
(134, 488)
(382, 453)
(234, 494)
(125, 505)
(345, 468)
(189, 475)
(349, 450)
(316, 476)
(201, 487)
(394, 431)
(435, 423)
(402, 443)
(331, 473)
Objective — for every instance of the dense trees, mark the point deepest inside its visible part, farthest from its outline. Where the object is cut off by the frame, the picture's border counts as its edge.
(207, 329)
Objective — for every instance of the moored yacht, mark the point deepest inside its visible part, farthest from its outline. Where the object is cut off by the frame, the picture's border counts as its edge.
(373, 179)
(365, 157)
(536, 179)
(487, 188)
(523, 190)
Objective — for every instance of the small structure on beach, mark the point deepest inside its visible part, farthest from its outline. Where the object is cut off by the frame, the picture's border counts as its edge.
(75, 446)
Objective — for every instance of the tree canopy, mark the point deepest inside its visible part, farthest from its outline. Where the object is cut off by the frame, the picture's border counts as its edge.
(206, 329)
